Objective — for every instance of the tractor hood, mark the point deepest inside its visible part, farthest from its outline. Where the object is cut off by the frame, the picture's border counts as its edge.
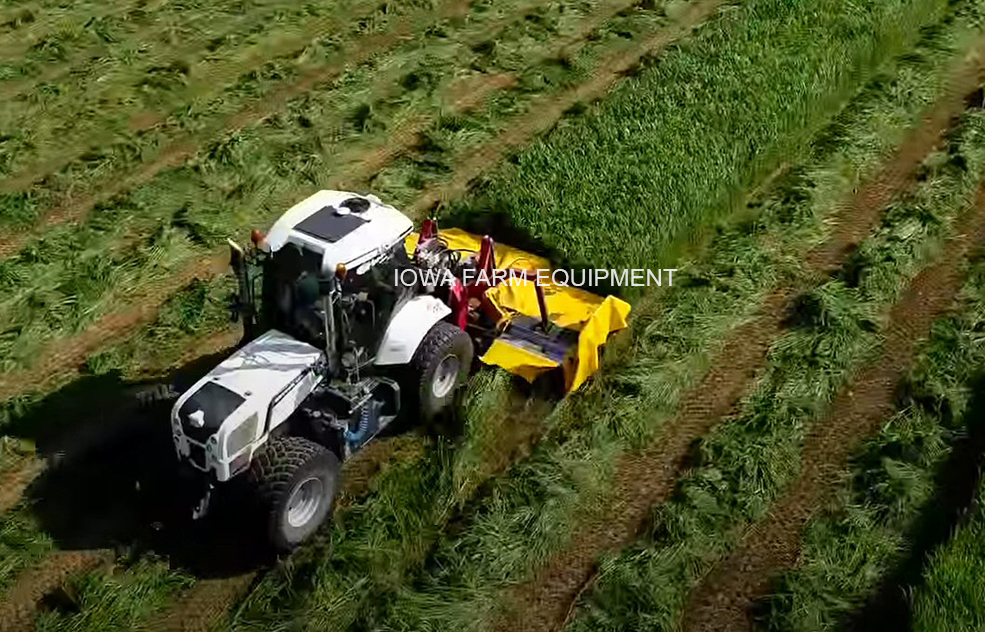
(263, 367)
(245, 396)
(340, 227)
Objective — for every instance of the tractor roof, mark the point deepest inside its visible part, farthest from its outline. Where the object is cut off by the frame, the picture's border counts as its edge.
(343, 227)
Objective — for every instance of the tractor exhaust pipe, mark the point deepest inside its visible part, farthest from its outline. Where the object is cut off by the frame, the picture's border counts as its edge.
(245, 305)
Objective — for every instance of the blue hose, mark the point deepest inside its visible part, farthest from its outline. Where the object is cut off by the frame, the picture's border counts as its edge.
(360, 435)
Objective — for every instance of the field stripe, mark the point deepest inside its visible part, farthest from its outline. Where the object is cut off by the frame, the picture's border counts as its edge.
(722, 600)
(200, 607)
(544, 112)
(61, 358)
(646, 478)
(175, 153)
(225, 73)
(20, 603)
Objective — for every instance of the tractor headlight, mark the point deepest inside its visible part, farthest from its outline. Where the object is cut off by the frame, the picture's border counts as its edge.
(241, 436)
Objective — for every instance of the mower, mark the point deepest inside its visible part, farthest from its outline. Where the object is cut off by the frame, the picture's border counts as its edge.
(336, 346)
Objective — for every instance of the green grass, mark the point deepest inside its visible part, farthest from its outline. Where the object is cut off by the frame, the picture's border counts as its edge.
(22, 543)
(437, 49)
(161, 62)
(952, 596)
(384, 568)
(61, 283)
(892, 491)
(528, 514)
(117, 599)
(674, 144)
(749, 460)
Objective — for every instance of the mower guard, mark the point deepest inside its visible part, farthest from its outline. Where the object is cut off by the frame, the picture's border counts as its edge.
(579, 322)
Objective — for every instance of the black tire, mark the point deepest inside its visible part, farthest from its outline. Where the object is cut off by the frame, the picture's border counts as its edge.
(443, 343)
(278, 473)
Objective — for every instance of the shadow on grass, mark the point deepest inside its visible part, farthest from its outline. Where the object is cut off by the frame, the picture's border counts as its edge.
(890, 607)
(112, 480)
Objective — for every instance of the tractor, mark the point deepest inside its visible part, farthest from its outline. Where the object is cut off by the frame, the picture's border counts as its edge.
(336, 347)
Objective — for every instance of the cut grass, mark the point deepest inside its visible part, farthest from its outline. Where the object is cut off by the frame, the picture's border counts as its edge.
(119, 598)
(184, 53)
(22, 544)
(431, 47)
(65, 281)
(892, 489)
(749, 460)
(528, 513)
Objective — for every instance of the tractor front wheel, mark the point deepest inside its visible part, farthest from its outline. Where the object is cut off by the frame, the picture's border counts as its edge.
(295, 480)
(441, 365)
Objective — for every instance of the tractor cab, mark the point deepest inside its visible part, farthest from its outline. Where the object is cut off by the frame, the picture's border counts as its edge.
(329, 269)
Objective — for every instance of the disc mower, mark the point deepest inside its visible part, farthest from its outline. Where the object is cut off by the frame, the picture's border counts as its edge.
(351, 318)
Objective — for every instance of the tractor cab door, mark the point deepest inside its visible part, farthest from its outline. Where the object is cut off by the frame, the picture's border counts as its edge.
(371, 299)
(291, 295)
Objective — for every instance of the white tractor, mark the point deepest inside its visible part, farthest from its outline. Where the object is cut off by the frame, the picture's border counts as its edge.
(336, 347)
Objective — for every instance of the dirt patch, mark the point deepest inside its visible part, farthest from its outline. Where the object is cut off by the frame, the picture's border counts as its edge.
(723, 599)
(15, 481)
(644, 479)
(203, 605)
(21, 601)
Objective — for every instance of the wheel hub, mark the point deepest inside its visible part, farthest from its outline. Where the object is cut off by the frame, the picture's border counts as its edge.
(445, 375)
(305, 501)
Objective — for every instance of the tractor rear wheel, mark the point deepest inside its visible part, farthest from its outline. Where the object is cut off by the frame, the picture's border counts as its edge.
(441, 365)
(295, 480)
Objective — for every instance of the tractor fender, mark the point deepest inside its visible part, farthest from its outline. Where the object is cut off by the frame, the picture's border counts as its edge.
(407, 329)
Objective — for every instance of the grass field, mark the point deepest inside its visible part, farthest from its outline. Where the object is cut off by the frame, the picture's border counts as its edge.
(725, 139)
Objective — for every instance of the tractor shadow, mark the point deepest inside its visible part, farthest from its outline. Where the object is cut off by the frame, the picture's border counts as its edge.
(957, 483)
(112, 480)
(111, 476)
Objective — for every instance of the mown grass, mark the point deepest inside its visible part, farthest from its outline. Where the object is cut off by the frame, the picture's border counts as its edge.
(24, 26)
(22, 543)
(510, 531)
(160, 60)
(119, 598)
(529, 513)
(64, 281)
(892, 494)
(200, 103)
(747, 462)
